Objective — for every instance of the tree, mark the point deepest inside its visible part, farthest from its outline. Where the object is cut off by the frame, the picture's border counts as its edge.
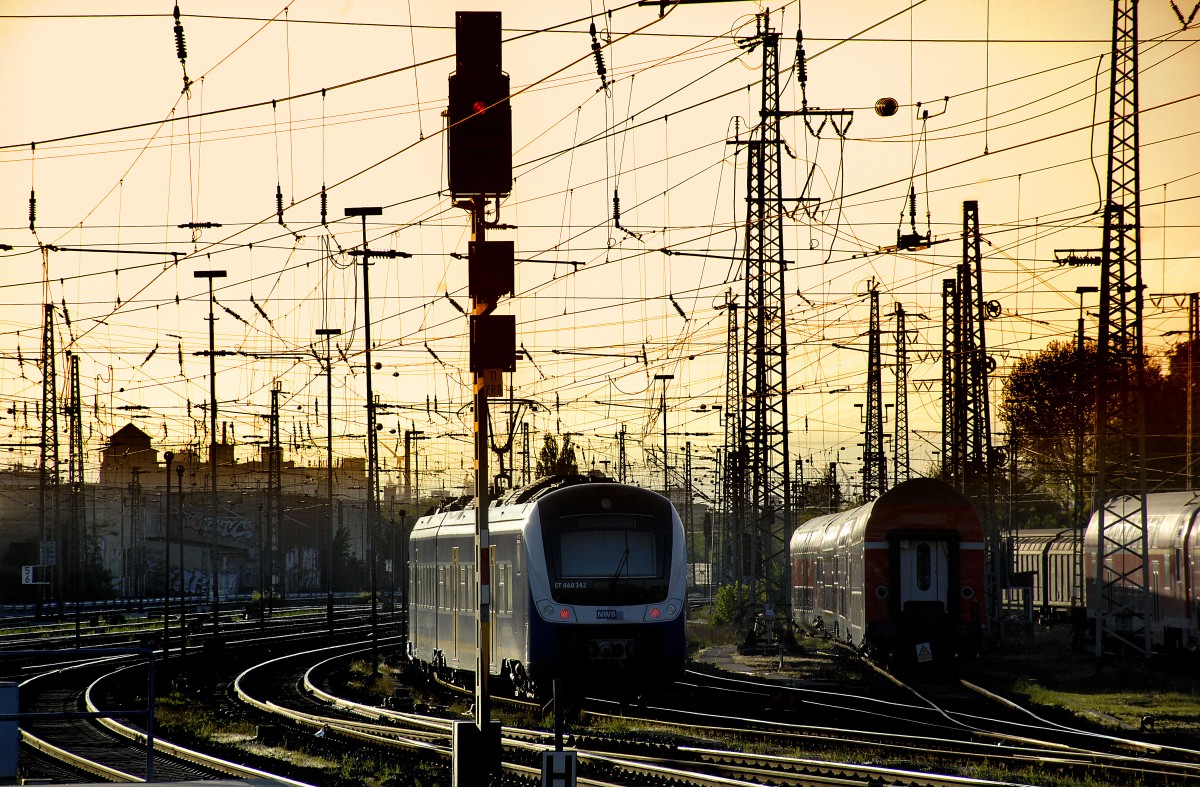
(553, 461)
(1046, 397)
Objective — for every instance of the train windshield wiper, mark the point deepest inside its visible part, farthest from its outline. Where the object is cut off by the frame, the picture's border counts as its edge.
(617, 574)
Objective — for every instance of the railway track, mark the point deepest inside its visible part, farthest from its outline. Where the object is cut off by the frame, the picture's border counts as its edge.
(605, 761)
(79, 745)
(68, 737)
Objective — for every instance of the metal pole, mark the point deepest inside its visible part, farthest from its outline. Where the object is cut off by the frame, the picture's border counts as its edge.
(214, 558)
(663, 406)
(328, 332)
(182, 578)
(168, 457)
(1079, 522)
(372, 450)
(483, 551)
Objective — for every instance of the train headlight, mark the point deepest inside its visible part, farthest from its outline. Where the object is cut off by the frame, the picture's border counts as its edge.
(655, 613)
(671, 610)
(564, 614)
(548, 611)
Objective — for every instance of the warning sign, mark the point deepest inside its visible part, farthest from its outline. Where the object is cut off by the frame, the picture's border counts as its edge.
(924, 653)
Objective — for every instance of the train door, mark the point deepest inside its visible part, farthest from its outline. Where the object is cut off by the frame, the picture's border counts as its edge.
(494, 652)
(455, 601)
(924, 573)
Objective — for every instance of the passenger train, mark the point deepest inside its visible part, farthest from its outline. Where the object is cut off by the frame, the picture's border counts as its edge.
(900, 579)
(1173, 562)
(588, 584)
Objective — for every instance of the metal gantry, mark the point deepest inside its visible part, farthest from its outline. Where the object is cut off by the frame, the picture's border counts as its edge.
(900, 455)
(874, 461)
(734, 477)
(49, 471)
(952, 443)
(968, 456)
(274, 539)
(764, 375)
(976, 427)
(1122, 572)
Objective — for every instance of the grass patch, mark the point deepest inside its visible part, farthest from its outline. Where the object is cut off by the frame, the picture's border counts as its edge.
(1043, 669)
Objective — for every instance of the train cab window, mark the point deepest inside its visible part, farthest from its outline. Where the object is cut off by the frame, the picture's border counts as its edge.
(610, 558)
(924, 567)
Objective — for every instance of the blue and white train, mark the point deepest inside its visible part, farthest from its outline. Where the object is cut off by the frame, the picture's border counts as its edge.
(588, 584)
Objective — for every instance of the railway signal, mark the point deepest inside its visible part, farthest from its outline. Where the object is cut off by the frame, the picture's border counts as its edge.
(480, 117)
(480, 169)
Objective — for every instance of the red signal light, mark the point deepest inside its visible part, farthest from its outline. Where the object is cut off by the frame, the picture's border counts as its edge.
(564, 614)
(654, 613)
(479, 107)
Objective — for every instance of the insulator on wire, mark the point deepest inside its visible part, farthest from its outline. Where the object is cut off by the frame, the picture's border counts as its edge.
(599, 55)
(616, 208)
(324, 205)
(32, 210)
(801, 64)
(278, 202)
(180, 44)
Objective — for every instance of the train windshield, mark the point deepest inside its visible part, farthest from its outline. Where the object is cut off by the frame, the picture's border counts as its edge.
(607, 558)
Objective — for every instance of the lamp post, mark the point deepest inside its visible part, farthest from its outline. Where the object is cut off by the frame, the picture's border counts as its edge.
(663, 404)
(327, 333)
(182, 578)
(212, 446)
(169, 457)
(1078, 524)
(372, 440)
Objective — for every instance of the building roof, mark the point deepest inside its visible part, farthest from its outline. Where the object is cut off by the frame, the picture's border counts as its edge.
(130, 435)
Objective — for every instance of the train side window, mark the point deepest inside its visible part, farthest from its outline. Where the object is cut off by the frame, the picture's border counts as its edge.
(924, 567)
(441, 587)
(1178, 561)
(520, 556)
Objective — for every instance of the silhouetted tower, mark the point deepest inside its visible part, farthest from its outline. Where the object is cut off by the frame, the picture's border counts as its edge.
(735, 536)
(764, 408)
(1122, 581)
(953, 443)
(976, 426)
(48, 475)
(966, 437)
(874, 461)
(74, 411)
(274, 540)
(900, 437)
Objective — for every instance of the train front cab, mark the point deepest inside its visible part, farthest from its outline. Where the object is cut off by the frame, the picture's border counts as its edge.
(607, 601)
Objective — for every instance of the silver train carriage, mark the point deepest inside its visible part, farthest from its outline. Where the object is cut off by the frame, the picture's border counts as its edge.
(588, 584)
(1173, 563)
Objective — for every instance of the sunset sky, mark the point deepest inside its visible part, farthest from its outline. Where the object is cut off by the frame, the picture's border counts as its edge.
(351, 94)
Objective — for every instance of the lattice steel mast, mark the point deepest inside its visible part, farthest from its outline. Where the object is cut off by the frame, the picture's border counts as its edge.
(733, 557)
(764, 374)
(953, 443)
(49, 472)
(874, 461)
(1122, 581)
(900, 455)
(274, 534)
